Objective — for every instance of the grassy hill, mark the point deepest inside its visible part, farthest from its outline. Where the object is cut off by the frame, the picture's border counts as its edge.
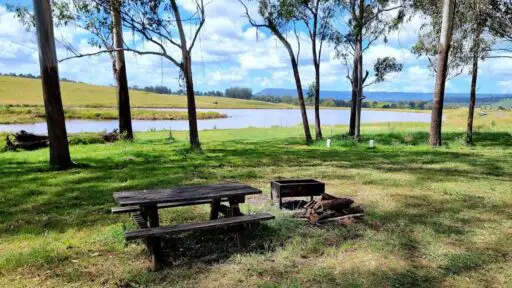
(19, 91)
(505, 103)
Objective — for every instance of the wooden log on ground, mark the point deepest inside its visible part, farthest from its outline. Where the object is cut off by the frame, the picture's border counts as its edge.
(24, 136)
(34, 145)
(111, 137)
(326, 196)
(9, 146)
(26, 141)
(337, 219)
(337, 204)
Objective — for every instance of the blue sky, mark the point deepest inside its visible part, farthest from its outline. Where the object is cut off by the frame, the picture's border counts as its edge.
(231, 53)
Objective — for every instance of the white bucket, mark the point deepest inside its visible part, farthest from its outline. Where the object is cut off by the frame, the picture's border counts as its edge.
(328, 142)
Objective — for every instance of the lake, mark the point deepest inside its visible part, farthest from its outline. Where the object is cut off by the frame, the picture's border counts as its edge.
(237, 118)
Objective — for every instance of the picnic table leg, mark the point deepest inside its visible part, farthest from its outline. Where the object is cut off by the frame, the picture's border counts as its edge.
(234, 208)
(155, 243)
(215, 206)
(241, 236)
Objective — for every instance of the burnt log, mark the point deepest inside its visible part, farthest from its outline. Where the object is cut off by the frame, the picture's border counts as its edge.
(9, 146)
(340, 218)
(26, 141)
(24, 136)
(337, 205)
(33, 145)
(111, 137)
(326, 196)
(330, 209)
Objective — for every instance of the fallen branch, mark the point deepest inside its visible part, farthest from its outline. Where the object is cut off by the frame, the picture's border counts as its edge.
(341, 218)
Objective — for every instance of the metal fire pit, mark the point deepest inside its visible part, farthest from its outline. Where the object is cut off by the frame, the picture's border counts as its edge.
(296, 188)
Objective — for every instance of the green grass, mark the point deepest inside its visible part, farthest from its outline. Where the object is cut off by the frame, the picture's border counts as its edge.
(435, 217)
(22, 91)
(32, 114)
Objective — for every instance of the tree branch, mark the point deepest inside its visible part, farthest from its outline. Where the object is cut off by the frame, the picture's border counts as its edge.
(200, 9)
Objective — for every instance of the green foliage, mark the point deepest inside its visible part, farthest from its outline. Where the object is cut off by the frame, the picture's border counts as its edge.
(238, 93)
(469, 17)
(384, 66)
(374, 24)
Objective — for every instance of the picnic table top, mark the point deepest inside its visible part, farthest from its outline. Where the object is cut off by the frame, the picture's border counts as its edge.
(180, 194)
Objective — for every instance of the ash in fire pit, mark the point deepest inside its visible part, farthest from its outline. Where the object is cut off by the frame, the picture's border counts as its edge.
(294, 204)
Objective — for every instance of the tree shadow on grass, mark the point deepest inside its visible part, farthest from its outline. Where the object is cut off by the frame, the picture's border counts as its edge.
(80, 197)
(408, 226)
(480, 139)
(36, 200)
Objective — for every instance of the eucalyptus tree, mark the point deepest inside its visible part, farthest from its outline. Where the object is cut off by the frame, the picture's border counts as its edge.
(316, 15)
(59, 146)
(279, 17)
(500, 26)
(365, 22)
(161, 24)
(105, 24)
(470, 43)
(102, 20)
(441, 72)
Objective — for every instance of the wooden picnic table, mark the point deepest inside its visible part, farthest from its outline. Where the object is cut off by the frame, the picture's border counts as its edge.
(148, 200)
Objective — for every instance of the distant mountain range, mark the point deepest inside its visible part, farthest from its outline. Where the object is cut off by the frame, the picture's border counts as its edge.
(385, 96)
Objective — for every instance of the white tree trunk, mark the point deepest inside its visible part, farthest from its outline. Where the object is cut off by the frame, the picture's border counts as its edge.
(442, 68)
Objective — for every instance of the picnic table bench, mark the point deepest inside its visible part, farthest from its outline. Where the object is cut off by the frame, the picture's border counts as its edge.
(144, 205)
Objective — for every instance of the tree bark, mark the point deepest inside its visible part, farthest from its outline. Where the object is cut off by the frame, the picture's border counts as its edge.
(352, 126)
(58, 138)
(186, 68)
(474, 77)
(300, 95)
(359, 58)
(318, 127)
(442, 67)
(316, 64)
(298, 83)
(191, 103)
(123, 96)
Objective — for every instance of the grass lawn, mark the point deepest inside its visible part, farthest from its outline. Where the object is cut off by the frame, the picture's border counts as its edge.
(434, 217)
(22, 91)
(16, 114)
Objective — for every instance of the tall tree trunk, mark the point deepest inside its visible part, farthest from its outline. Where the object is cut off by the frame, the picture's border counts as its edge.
(474, 77)
(123, 96)
(442, 68)
(359, 58)
(186, 68)
(300, 95)
(191, 103)
(298, 84)
(59, 147)
(352, 126)
(316, 64)
(318, 127)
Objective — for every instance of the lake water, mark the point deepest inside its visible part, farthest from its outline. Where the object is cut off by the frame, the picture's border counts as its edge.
(237, 118)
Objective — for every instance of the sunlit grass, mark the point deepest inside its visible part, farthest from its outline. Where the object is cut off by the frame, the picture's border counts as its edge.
(22, 91)
(435, 217)
(33, 114)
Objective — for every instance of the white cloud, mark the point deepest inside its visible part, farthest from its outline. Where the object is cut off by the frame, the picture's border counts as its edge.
(407, 33)
(230, 52)
(506, 86)
(411, 79)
